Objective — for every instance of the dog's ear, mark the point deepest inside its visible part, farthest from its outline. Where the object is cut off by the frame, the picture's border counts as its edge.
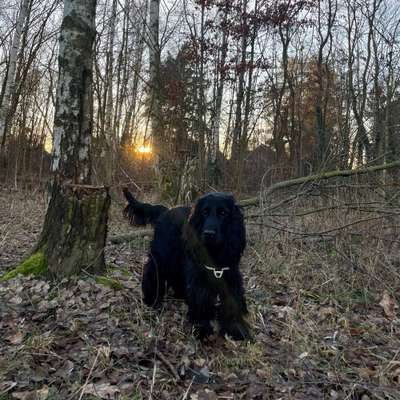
(194, 218)
(236, 234)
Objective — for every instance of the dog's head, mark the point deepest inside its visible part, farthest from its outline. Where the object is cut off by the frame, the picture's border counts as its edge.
(218, 222)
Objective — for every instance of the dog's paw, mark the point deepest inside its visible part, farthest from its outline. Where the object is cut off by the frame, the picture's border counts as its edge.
(237, 330)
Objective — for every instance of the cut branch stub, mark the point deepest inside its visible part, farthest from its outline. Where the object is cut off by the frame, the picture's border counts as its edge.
(75, 229)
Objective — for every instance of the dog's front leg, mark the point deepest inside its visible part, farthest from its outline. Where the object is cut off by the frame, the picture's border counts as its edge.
(201, 303)
(231, 313)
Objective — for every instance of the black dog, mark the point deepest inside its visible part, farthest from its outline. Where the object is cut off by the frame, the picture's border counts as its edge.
(141, 214)
(196, 252)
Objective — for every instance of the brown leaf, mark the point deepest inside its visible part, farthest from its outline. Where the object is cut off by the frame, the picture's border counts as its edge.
(205, 394)
(40, 394)
(102, 390)
(326, 312)
(26, 395)
(396, 376)
(389, 305)
(17, 338)
(367, 372)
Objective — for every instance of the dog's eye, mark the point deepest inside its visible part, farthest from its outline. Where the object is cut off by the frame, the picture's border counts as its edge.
(205, 212)
(223, 213)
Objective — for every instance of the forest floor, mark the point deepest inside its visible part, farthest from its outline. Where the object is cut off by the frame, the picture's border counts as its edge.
(324, 317)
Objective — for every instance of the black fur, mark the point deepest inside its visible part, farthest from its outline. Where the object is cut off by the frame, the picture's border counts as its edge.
(185, 242)
(141, 214)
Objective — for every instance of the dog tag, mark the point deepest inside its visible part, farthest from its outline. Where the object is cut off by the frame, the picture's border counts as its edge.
(217, 272)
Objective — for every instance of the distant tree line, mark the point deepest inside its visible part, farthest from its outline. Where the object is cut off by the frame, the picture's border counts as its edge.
(223, 90)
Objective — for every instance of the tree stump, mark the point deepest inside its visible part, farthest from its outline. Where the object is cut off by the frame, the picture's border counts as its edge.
(75, 229)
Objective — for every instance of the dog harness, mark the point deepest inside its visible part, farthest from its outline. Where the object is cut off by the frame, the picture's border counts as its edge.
(218, 272)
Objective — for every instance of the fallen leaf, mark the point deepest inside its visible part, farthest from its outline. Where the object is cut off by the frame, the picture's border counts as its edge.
(102, 390)
(396, 376)
(16, 300)
(40, 394)
(367, 373)
(200, 362)
(326, 312)
(26, 395)
(206, 394)
(389, 305)
(17, 338)
(285, 312)
(356, 331)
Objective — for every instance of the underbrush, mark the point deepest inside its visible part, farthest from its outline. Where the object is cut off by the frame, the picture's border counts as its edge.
(322, 283)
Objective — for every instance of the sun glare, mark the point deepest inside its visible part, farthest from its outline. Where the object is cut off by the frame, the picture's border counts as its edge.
(143, 149)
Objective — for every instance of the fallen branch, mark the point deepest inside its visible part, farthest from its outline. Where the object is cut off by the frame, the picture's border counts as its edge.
(254, 201)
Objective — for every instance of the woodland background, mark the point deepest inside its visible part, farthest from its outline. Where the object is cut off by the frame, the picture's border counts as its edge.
(244, 90)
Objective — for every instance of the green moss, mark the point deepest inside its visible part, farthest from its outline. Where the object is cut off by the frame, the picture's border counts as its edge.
(109, 282)
(35, 265)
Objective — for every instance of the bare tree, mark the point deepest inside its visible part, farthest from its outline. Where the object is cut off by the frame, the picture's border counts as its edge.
(9, 85)
(220, 74)
(323, 81)
(154, 64)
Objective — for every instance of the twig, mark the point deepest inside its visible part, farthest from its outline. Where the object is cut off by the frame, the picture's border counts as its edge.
(185, 395)
(89, 375)
(322, 233)
(153, 380)
(168, 365)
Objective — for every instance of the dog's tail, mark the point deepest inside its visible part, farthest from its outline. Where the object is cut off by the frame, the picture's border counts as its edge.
(131, 208)
(141, 214)
(129, 197)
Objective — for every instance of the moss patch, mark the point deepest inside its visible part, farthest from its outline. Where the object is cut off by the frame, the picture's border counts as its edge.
(109, 282)
(35, 265)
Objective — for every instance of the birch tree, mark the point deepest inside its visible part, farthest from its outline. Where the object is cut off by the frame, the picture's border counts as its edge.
(9, 85)
(74, 231)
(154, 64)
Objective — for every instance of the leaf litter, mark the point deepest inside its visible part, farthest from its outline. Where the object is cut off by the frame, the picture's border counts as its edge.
(80, 339)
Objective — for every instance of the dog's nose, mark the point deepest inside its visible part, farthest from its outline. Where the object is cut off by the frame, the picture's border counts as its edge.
(208, 233)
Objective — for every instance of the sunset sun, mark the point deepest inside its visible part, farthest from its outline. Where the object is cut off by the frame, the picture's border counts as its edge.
(144, 149)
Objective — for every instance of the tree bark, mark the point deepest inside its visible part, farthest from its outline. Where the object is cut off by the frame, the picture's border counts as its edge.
(74, 231)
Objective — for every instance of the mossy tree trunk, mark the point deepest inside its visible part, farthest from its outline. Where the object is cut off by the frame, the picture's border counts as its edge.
(75, 226)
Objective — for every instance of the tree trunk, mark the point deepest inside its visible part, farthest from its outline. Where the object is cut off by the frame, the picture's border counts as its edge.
(322, 98)
(154, 61)
(126, 139)
(75, 226)
(238, 126)
(109, 134)
(216, 116)
(9, 85)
